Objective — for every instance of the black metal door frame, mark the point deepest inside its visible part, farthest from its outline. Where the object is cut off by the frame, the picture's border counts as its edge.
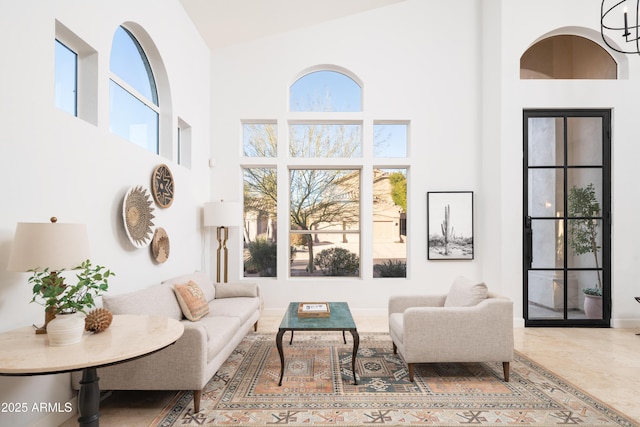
(605, 114)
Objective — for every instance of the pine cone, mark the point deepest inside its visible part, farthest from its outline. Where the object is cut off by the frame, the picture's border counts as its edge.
(98, 320)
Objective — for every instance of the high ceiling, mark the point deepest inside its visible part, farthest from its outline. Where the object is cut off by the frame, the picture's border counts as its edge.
(226, 22)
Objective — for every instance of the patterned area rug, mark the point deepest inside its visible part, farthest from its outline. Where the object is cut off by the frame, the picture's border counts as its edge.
(318, 390)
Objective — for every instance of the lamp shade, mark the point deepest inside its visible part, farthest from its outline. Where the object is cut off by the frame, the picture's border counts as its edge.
(55, 246)
(222, 214)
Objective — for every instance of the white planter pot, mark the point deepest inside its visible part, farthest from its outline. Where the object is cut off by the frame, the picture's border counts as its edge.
(65, 329)
(593, 306)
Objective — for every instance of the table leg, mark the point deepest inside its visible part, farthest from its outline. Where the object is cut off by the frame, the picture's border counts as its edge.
(344, 337)
(356, 344)
(281, 352)
(89, 398)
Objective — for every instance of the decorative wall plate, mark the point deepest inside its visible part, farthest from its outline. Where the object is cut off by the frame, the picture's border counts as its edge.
(162, 186)
(137, 213)
(160, 245)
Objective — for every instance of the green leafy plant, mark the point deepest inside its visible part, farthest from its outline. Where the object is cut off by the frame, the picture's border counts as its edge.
(392, 268)
(583, 231)
(263, 257)
(50, 290)
(337, 262)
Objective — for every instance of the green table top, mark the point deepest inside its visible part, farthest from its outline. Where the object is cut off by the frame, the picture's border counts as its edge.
(339, 320)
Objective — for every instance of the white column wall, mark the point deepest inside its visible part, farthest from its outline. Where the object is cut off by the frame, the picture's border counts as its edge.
(414, 65)
(53, 164)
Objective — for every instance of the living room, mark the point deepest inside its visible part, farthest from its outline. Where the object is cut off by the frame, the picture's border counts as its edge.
(450, 70)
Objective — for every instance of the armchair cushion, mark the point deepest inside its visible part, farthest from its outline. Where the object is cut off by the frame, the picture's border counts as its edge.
(465, 293)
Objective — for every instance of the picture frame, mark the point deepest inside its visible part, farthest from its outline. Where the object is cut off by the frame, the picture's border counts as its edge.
(450, 225)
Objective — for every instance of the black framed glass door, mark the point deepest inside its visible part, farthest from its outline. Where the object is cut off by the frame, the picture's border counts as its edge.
(567, 217)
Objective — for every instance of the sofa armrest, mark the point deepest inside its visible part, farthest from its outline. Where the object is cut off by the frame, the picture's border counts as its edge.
(399, 303)
(476, 333)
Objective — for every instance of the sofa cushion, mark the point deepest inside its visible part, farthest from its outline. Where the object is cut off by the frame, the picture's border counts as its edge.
(242, 307)
(233, 290)
(465, 293)
(220, 331)
(192, 300)
(156, 300)
(198, 277)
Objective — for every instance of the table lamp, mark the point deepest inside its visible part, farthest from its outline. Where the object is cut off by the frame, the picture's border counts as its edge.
(52, 245)
(222, 215)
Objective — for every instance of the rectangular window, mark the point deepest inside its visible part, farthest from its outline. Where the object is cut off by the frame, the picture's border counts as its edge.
(389, 222)
(325, 140)
(260, 210)
(325, 222)
(390, 139)
(260, 139)
(66, 79)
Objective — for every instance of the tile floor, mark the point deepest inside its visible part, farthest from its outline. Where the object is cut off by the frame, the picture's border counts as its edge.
(603, 362)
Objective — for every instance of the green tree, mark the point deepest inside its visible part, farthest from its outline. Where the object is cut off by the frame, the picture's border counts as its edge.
(583, 208)
(399, 189)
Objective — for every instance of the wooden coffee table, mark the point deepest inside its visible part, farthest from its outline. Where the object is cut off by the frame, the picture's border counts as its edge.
(339, 320)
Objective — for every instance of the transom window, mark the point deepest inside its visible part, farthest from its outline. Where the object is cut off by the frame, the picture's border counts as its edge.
(134, 108)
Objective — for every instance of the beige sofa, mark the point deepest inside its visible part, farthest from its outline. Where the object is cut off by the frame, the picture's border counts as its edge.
(469, 324)
(234, 309)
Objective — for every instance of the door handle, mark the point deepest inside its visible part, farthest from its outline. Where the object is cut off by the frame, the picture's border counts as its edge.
(528, 241)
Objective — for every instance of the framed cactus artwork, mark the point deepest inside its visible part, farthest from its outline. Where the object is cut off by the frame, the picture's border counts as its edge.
(449, 225)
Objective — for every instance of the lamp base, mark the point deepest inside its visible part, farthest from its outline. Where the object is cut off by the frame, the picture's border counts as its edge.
(49, 315)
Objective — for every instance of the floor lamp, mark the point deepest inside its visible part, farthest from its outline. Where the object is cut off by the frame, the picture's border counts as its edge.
(51, 245)
(222, 215)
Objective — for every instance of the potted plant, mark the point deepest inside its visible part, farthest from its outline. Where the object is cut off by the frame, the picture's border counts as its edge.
(583, 234)
(59, 299)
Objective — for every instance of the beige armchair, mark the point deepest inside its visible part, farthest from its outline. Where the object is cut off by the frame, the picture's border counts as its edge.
(469, 324)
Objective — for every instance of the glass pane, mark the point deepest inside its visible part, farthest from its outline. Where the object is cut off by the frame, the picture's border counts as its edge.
(546, 192)
(389, 223)
(260, 139)
(545, 139)
(548, 247)
(325, 140)
(584, 141)
(546, 295)
(260, 222)
(131, 119)
(66, 79)
(331, 254)
(325, 91)
(589, 306)
(585, 180)
(390, 140)
(129, 62)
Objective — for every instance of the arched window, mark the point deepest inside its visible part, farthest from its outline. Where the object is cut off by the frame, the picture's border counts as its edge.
(338, 167)
(325, 91)
(567, 57)
(134, 108)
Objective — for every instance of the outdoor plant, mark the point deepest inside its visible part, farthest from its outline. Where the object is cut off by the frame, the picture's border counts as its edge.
(263, 256)
(583, 231)
(391, 268)
(50, 290)
(337, 262)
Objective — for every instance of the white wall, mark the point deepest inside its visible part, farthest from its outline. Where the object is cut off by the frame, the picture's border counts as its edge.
(453, 70)
(53, 164)
(542, 18)
(414, 66)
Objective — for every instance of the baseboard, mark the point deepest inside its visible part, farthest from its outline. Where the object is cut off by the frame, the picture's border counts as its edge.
(625, 323)
(54, 419)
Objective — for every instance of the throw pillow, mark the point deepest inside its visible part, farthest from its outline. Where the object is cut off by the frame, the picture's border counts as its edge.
(465, 293)
(233, 290)
(192, 300)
